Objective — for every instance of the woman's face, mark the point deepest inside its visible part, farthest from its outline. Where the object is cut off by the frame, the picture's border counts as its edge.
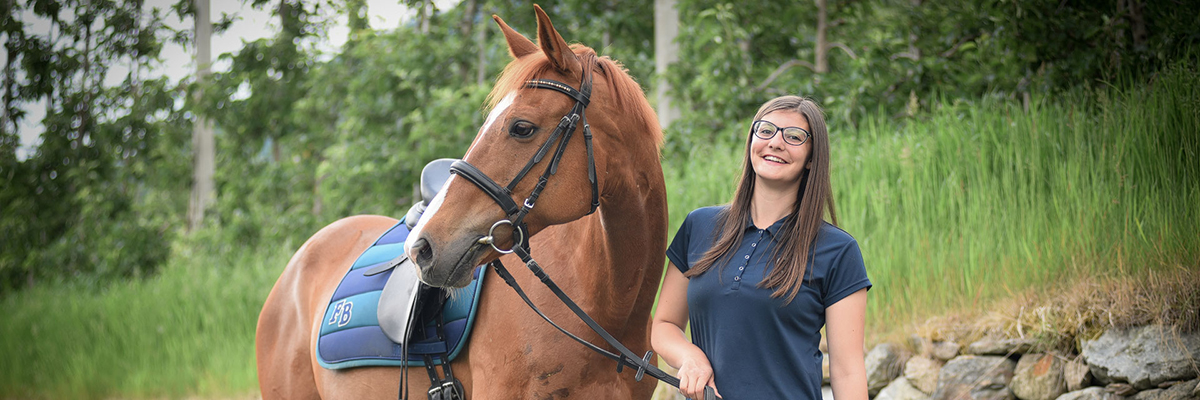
(775, 161)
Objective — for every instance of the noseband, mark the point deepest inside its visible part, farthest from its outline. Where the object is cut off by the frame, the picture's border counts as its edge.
(516, 214)
(565, 129)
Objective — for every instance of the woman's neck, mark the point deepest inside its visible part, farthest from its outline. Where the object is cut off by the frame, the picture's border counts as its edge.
(771, 203)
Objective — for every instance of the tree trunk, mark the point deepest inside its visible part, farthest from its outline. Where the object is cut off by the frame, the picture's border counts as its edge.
(822, 49)
(666, 52)
(203, 147)
(481, 63)
(425, 15)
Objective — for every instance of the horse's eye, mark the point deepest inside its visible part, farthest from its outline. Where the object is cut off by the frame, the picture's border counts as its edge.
(522, 129)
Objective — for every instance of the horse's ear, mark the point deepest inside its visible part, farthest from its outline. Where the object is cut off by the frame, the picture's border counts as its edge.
(554, 46)
(518, 44)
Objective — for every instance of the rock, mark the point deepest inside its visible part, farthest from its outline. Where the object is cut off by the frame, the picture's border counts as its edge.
(1120, 389)
(1038, 376)
(1000, 347)
(922, 373)
(1196, 389)
(921, 346)
(901, 389)
(1179, 391)
(1091, 393)
(1077, 375)
(945, 351)
(1152, 394)
(1143, 356)
(975, 378)
(884, 364)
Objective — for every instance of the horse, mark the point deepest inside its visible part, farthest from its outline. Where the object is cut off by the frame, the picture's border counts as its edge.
(607, 255)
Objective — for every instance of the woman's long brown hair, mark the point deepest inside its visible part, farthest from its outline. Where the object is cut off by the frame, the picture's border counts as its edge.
(800, 227)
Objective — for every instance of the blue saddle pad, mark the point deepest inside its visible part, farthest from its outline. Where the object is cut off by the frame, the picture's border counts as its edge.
(350, 334)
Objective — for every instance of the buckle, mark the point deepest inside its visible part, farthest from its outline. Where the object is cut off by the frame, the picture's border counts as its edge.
(435, 393)
(451, 391)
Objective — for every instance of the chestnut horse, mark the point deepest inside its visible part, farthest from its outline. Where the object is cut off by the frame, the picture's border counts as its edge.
(610, 261)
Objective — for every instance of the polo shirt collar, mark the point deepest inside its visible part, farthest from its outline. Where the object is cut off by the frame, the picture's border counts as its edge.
(773, 229)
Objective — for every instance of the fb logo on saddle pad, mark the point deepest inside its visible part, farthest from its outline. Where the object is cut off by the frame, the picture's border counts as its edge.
(341, 313)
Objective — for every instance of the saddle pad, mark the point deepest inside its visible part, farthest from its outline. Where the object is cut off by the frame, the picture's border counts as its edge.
(350, 334)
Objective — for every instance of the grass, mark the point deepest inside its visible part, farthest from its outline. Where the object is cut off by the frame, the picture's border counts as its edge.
(187, 331)
(981, 212)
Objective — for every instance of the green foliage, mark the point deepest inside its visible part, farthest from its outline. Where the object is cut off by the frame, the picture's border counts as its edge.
(74, 208)
(897, 58)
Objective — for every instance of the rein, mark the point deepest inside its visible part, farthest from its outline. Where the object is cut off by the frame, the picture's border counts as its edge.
(516, 215)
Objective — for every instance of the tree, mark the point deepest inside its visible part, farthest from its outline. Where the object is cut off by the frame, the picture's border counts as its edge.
(70, 208)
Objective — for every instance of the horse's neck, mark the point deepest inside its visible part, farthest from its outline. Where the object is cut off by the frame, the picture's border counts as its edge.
(627, 268)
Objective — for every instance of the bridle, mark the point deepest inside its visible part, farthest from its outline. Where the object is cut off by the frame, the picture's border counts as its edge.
(565, 129)
(515, 218)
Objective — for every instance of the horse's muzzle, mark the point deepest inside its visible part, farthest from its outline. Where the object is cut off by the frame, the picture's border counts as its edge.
(438, 266)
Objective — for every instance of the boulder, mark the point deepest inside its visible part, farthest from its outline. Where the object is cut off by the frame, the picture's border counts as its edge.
(1000, 347)
(975, 378)
(1091, 393)
(921, 346)
(945, 351)
(1039, 376)
(922, 373)
(1077, 374)
(1120, 389)
(1143, 356)
(884, 364)
(1178, 391)
(901, 389)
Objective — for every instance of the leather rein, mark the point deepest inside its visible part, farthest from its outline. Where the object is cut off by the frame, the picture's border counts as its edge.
(516, 214)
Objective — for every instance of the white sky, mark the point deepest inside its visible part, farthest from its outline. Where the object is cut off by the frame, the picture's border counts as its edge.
(250, 25)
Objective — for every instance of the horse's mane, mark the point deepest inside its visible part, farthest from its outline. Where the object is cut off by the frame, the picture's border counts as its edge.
(627, 93)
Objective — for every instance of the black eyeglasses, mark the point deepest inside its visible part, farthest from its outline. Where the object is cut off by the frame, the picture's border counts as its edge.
(792, 135)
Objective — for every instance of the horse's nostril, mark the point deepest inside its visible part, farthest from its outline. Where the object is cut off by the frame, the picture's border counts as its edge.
(423, 252)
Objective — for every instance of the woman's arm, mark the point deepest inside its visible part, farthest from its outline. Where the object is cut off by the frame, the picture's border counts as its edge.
(845, 323)
(667, 338)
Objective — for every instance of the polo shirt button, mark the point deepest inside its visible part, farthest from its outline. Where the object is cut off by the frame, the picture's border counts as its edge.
(741, 268)
(753, 244)
(747, 256)
(737, 278)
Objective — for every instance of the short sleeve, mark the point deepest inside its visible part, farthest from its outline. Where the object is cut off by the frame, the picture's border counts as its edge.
(847, 276)
(677, 252)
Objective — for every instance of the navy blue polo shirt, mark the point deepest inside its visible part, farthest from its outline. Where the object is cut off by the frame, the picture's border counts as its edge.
(760, 347)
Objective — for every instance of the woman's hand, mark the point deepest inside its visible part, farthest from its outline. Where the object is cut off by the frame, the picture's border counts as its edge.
(694, 374)
(667, 338)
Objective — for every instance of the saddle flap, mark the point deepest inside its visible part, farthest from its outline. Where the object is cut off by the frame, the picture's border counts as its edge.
(398, 303)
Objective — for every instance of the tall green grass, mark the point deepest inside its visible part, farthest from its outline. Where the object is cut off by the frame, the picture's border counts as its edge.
(971, 203)
(187, 331)
(962, 206)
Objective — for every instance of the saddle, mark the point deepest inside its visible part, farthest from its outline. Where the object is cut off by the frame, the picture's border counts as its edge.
(382, 315)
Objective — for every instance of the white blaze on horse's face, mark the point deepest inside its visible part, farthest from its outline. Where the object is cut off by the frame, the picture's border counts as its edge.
(435, 205)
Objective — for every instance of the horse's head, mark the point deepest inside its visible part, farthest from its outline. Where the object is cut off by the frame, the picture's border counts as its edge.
(523, 132)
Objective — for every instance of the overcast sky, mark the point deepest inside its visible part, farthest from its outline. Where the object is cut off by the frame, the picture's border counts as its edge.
(250, 25)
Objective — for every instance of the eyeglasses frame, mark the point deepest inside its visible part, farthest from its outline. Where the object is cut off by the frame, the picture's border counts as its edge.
(755, 125)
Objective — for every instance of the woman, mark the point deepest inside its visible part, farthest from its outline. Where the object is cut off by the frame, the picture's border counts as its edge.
(758, 278)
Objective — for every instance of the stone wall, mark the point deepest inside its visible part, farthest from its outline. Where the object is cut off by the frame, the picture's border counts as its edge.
(1142, 363)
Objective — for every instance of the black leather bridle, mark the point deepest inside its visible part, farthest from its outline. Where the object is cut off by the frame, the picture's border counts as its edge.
(516, 215)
